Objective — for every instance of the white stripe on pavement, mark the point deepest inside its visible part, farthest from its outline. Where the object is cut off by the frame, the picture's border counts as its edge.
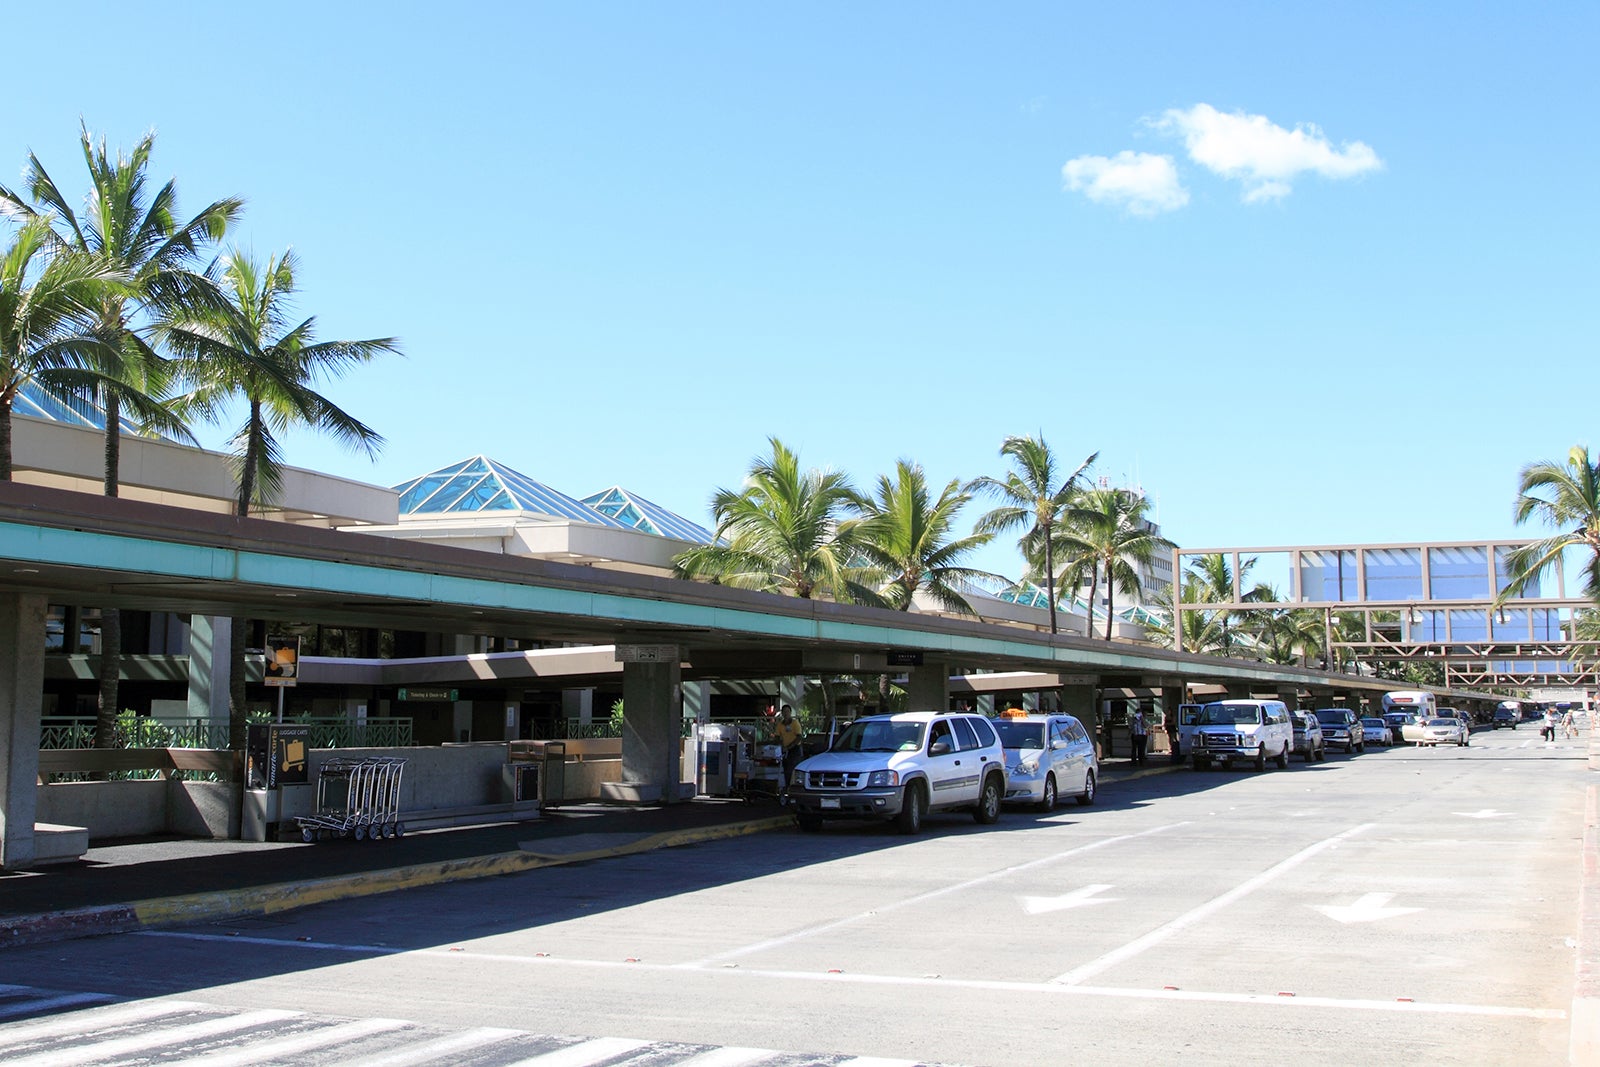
(728, 1056)
(293, 1045)
(85, 1022)
(1189, 918)
(583, 1054)
(151, 1039)
(422, 1052)
(55, 1003)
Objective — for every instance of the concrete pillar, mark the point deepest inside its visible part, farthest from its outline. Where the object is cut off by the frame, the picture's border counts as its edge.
(651, 734)
(1030, 702)
(697, 701)
(210, 639)
(986, 704)
(461, 720)
(1290, 695)
(928, 687)
(792, 691)
(1078, 701)
(22, 618)
(578, 704)
(1237, 690)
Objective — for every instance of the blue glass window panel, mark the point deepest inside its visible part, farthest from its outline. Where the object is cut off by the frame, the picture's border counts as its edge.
(418, 496)
(1469, 624)
(1459, 573)
(1329, 575)
(1394, 574)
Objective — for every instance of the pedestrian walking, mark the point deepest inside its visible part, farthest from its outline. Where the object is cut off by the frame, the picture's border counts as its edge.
(787, 729)
(1139, 732)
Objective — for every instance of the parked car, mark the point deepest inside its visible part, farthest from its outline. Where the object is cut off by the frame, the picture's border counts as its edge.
(1253, 730)
(1405, 726)
(1308, 740)
(1376, 732)
(901, 767)
(1046, 755)
(1445, 730)
(1505, 717)
(1341, 727)
(1461, 717)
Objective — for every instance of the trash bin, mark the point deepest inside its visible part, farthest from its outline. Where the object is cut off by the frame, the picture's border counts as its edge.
(536, 771)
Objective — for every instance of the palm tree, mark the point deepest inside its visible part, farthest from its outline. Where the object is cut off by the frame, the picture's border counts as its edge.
(253, 350)
(1287, 635)
(784, 531)
(1111, 524)
(143, 241)
(1566, 497)
(1216, 586)
(1034, 499)
(1202, 630)
(905, 535)
(43, 315)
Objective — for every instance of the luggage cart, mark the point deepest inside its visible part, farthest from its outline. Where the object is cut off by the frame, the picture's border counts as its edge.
(758, 777)
(357, 798)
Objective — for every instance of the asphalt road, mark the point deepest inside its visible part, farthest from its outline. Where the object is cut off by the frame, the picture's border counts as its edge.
(1397, 907)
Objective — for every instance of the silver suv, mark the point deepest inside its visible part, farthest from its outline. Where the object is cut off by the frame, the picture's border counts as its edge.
(902, 767)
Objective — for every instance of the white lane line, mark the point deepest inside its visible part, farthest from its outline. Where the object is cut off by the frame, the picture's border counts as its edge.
(87, 1022)
(293, 1045)
(150, 1040)
(231, 939)
(1161, 933)
(1203, 996)
(451, 1045)
(922, 898)
(584, 1053)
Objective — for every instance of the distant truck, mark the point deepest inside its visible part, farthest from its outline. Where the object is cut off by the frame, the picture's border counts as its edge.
(1422, 704)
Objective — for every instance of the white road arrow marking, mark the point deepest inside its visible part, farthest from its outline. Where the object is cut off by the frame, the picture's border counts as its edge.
(1485, 813)
(1368, 909)
(1075, 899)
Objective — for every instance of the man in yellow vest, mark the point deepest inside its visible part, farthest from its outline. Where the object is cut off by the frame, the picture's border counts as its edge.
(787, 730)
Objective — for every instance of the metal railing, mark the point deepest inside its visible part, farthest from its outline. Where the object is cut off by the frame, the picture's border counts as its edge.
(149, 731)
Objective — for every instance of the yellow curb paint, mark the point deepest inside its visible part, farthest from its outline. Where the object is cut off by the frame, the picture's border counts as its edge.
(286, 896)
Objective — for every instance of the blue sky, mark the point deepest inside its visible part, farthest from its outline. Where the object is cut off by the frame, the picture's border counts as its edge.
(1341, 287)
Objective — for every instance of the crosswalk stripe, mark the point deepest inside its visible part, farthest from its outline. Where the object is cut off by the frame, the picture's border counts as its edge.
(583, 1054)
(283, 1047)
(423, 1052)
(84, 1022)
(729, 1056)
(178, 1035)
(44, 1004)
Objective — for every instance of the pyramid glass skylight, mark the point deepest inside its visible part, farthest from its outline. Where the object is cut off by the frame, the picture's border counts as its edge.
(480, 484)
(641, 514)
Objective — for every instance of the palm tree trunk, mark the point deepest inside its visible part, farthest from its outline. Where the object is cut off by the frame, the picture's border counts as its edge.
(5, 440)
(1050, 575)
(1094, 593)
(110, 671)
(1111, 600)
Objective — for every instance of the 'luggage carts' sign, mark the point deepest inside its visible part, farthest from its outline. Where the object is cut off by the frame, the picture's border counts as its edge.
(283, 662)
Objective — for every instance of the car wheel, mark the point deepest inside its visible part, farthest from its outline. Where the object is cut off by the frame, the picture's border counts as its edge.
(1261, 757)
(1049, 801)
(1283, 758)
(912, 809)
(1200, 764)
(809, 823)
(988, 809)
(1087, 796)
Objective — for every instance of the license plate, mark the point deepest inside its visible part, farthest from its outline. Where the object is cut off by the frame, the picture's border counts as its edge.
(830, 802)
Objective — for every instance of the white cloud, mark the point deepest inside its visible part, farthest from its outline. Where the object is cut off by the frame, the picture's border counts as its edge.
(1263, 155)
(1140, 183)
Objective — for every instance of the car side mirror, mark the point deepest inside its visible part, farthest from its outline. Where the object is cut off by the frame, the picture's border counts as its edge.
(939, 748)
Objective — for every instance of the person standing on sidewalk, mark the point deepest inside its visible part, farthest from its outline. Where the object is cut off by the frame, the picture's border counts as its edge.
(787, 729)
(1139, 732)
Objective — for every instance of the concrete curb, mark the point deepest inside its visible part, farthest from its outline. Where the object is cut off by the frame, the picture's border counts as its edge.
(285, 896)
(1584, 1043)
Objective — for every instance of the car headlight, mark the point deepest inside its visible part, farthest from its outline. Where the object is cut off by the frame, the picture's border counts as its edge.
(879, 779)
(1026, 768)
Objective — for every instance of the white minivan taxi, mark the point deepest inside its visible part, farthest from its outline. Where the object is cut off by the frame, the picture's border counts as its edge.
(1047, 756)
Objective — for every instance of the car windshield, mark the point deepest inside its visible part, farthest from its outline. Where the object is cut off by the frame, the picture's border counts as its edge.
(1373, 722)
(1336, 718)
(1441, 722)
(1229, 715)
(880, 736)
(1020, 734)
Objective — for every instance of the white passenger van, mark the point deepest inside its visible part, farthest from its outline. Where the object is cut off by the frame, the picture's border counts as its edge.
(1423, 705)
(1243, 730)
